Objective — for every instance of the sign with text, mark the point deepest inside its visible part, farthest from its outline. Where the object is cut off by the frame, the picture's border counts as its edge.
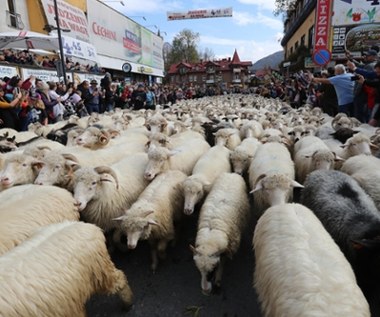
(43, 74)
(200, 14)
(118, 37)
(354, 38)
(77, 48)
(8, 71)
(321, 33)
(70, 17)
(348, 12)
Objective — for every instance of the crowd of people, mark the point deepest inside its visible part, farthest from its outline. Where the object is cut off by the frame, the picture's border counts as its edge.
(352, 88)
(28, 58)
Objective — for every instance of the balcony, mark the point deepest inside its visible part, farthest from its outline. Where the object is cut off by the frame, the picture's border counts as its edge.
(297, 22)
(14, 20)
(210, 70)
(237, 70)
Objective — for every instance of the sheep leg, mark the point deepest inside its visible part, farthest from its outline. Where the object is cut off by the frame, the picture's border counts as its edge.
(161, 248)
(219, 272)
(154, 252)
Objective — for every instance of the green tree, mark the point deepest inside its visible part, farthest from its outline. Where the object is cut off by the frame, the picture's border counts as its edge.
(184, 48)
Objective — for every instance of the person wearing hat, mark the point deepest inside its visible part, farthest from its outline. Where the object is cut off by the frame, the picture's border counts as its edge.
(92, 99)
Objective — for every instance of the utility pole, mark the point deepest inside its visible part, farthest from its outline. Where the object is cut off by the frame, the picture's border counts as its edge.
(62, 57)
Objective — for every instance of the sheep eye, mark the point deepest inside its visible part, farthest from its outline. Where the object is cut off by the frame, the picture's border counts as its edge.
(25, 165)
(93, 183)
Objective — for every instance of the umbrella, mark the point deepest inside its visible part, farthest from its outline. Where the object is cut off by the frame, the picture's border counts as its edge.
(28, 40)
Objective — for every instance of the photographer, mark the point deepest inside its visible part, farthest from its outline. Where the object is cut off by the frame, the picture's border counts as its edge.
(93, 100)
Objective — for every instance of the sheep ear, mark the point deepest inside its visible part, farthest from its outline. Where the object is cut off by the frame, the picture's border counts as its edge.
(296, 184)
(259, 186)
(193, 249)
(338, 158)
(153, 222)
(373, 146)
(173, 152)
(146, 213)
(121, 218)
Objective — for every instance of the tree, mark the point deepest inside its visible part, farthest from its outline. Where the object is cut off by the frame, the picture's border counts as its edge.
(184, 48)
(283, 6)
(207, 55)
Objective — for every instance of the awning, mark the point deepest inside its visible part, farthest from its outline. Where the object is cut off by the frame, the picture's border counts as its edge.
(117, 64)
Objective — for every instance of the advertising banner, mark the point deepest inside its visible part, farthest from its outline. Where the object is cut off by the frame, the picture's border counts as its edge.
(321, 54)
(43, 74)
(349, 12)
(200, 14)
(354, 38)
(8, 71)
(70, 17)
(77, 48)
(116, 36)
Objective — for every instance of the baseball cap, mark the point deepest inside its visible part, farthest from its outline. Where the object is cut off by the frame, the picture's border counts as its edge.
(94, 82)
(370, 53)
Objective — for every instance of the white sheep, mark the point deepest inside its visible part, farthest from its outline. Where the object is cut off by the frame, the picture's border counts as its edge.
(271, 176)
(210, 165)
(104, 192)
(311, 153)
(243, 154)
(251, 129)
(18, 169)
(299, 269)
(74, 262)
(25, 208)
(365, 169)
(222, 219)
(153, 215)
(182, 158)
(228, 137)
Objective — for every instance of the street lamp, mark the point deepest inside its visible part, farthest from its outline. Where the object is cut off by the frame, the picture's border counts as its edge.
(121, 2)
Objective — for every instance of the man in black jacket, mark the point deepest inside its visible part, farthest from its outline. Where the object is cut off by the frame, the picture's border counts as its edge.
(138, 98)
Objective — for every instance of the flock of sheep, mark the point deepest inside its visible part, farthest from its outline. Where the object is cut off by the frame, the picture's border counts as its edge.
(142, 173)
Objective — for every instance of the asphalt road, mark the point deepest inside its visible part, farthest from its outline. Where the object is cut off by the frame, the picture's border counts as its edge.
(174, 289)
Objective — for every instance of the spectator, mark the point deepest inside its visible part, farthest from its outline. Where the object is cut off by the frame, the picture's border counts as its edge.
(138, 98)
(150, 98)
(8, 113)
(92, 97)
(344, 87)
(328, 100)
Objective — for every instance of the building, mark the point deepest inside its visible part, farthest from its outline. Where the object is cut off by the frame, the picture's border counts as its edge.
(97, 34)
(226, 73)
(355, 26)
(299, 27)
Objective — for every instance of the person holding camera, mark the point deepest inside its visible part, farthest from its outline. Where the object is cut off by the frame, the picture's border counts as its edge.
(344, 87)
(91, 96)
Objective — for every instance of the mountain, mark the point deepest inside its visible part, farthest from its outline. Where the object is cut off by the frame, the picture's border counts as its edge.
(269, 61)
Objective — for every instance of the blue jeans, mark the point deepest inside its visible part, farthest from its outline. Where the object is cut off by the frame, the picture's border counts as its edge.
(348, 109)
(92, 107)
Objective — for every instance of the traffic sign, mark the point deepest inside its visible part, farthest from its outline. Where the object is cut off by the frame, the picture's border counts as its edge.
(322, 57)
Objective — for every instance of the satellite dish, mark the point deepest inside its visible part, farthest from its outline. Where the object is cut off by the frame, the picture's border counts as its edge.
(126, 67)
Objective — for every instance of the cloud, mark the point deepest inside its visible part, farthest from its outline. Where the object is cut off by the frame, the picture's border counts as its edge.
(263, 4)
(244, 18)
(248, 50)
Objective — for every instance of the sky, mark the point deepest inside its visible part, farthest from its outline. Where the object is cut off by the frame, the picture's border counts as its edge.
(252, 30)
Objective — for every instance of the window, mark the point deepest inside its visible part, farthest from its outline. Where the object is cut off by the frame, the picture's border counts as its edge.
(13, 18)
(303, 40)
(296, 45)
(291, 50)
(310, 40)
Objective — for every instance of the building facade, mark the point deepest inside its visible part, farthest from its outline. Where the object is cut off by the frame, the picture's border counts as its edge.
(225, 74)
(95, 33)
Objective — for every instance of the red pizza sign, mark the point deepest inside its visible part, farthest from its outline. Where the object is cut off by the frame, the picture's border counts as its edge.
(322, 25)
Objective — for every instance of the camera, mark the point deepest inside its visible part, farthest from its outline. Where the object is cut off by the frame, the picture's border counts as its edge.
(355, 77)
